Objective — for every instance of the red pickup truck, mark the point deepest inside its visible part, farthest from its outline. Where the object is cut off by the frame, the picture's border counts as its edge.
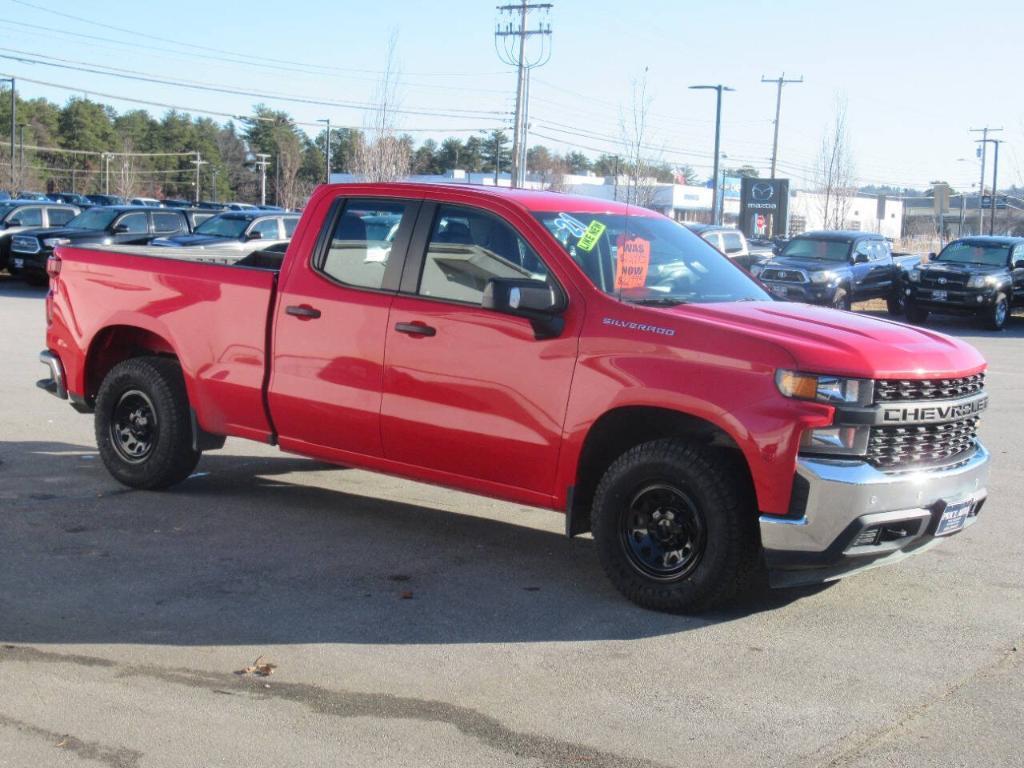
(559, 351)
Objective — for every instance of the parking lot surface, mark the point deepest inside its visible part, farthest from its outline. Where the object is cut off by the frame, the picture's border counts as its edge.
(411, 625)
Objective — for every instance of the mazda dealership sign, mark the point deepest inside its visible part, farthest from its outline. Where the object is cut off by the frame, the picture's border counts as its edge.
(764, 207)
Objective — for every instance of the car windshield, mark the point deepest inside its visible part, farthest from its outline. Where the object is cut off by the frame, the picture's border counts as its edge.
(223, 226)
(989, 254)
(94, 218)
(649, 259)
(817, 248)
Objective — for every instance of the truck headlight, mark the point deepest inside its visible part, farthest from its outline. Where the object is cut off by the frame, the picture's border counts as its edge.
(823, 277)
(53, 242)
(823, 389)
(982, 281)
(848, 441)
(914, 275)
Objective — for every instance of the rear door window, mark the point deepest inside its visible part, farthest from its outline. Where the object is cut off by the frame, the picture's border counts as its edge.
(59, 216)
(361, 243)
(733, 242)
(29, 217)
(167, 222)
(267, 229)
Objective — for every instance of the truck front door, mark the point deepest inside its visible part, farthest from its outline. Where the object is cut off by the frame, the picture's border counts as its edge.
(469, 391)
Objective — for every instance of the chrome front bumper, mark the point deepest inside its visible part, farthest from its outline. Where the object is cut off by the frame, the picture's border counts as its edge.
(846, 498)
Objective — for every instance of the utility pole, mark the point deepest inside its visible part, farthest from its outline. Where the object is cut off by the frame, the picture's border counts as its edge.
(262, 160)
(779, 82)
(510, 34)
(214, 171)
(14, 120)
(327, 147)
(199, 163)
(106, 176)
(981, 187)
(995, 186)
(21, 161)
(715, 213)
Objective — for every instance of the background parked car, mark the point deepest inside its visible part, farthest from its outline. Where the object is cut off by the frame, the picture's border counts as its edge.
(17, 216)
(38, 196)
(122, 225)
(149, 202)
(981, 276)
(836, 269)
(242, 231)
(174, 203)
(729, 241)
(72, 198)
(241, 207)
(105, 199)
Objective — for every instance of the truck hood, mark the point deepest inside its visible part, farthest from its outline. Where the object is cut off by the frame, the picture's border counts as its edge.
(938, 269)
(809, 265)
(823, 340)
(195, 241)
(77, 235)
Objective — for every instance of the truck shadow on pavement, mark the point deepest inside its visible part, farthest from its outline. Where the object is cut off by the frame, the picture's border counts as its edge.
(250, 551)
(18, 289)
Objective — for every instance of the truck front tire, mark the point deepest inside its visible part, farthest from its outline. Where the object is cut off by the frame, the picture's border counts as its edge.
(995, 316)
(842, 300)
(915, 314)
(143, 429)
(675, 527)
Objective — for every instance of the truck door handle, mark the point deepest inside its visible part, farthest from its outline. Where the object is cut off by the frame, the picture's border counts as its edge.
(415, 329)
(303, 312)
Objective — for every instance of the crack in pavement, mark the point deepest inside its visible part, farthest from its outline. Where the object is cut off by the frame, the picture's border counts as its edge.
(549, 751)
(115, 757)
(859, 746)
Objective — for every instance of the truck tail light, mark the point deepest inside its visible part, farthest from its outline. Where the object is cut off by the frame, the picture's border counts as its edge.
(53, 266)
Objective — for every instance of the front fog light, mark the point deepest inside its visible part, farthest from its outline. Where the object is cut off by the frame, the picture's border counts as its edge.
(832, 440)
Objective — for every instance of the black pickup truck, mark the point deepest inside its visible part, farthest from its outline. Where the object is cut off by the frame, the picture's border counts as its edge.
(119, 224)
(981, 276)
(836, 269)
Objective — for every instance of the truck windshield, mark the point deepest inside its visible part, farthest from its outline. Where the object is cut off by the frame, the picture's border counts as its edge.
(94, 218)
(820, 249)
(224, 226)
(989, 254)
(649, 259)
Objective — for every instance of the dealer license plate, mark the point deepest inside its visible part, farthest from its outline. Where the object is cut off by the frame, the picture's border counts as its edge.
(19, 263)
(939, 295)
(779, 290)
(954, 517)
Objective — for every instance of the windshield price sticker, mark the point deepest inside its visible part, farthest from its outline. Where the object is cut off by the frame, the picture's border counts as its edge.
(633, 262)
(591, 236)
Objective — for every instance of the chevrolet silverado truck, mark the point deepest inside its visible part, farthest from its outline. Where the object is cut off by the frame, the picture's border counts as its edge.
(836, 269)
(980, 276)
(558, 351)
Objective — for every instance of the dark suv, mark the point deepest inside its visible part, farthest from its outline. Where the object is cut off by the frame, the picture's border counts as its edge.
(17, 216)
(837, 269)
(981, 276)
(106, 225)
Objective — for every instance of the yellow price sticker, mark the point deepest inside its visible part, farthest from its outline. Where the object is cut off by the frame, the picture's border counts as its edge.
(591, 236)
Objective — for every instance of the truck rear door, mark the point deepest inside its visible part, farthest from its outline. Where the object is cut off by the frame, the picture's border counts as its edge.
(467, 390)
(330, 326)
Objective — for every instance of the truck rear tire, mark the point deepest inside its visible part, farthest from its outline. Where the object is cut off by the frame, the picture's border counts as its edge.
(143, 427)
(675, 526)
(896, 304)
(995, 317)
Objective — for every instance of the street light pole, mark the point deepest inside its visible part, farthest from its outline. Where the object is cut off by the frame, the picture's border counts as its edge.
(715, 214)
(199, 163)
(261, 163)
(995, 187)
(327, 148)
(14, 120)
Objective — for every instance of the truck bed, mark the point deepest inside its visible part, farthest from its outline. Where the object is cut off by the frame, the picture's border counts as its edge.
(209, 308)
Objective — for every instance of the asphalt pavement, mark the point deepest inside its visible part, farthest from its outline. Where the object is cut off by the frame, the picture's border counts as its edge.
(415, 626)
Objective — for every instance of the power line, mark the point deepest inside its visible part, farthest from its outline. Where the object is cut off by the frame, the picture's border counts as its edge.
(52, 61)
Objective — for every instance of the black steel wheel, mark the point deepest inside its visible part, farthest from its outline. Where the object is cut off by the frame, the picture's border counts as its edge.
(143, 423)
(675, 526)
(995, 318)
(663, 532)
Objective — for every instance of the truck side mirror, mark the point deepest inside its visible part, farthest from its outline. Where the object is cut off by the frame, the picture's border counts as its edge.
(254, 236)
(120, 229)
(860, 258)
(537, 301)
(931, 256)
(1018, 263)
(15, 222)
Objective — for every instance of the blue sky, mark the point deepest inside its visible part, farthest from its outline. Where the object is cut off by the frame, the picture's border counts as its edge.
(915, 75)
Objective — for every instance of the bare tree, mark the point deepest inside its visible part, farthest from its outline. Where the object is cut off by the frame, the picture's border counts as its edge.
(383, 156)
(126, 177)
(834, 172)
(639, 163)
(289, 159)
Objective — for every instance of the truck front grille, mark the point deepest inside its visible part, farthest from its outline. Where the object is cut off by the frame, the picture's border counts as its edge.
(943, 281)
(921, 444)
(889, 390)
(24, 244)
(784, 275)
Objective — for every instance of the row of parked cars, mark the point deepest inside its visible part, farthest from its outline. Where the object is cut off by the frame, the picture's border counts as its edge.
(31, 229)
(87, 201)
(979, 276)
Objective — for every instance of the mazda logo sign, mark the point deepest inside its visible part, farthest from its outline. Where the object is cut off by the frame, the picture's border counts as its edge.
(762, 192)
